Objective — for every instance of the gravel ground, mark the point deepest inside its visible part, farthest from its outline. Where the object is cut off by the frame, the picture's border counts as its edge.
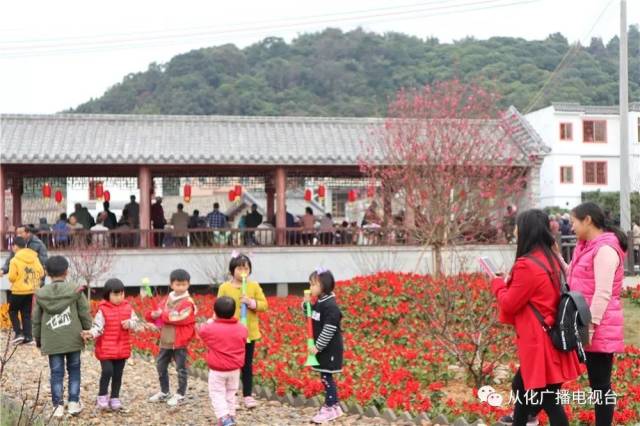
(139, 382)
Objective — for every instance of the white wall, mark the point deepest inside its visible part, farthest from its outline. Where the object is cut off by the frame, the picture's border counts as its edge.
(292, 264)
(119, 197)
(574, 152)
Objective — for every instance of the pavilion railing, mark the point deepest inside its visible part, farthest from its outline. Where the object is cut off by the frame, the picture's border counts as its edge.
(227, 237)
(265, 237)
(223, 237)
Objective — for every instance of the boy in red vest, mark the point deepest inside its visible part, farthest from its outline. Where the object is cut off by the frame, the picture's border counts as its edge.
(177, 314)
(111, 328)
(225, 340)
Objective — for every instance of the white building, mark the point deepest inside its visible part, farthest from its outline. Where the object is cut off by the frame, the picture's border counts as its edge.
(585, 150)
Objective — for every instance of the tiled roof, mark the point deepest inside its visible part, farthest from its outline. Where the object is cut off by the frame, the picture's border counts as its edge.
(216, 140)
(592, 109)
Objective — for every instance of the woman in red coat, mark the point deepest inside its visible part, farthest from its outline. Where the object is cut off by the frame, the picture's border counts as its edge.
(543, 368)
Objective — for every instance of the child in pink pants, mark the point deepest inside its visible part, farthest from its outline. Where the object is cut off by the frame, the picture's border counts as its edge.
(225, 339)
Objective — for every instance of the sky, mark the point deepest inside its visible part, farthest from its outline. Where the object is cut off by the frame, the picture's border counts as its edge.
(56, 55)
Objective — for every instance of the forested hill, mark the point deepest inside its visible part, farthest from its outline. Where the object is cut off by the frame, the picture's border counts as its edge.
(334, 73)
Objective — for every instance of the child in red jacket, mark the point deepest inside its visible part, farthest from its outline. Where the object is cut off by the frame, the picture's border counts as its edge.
(178, 315)
(225, 339)
(111, 328)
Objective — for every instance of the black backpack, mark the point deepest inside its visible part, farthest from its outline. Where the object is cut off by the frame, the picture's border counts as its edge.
(571, 329)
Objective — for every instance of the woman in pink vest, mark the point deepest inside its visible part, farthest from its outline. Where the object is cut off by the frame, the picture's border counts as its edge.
(597, 271)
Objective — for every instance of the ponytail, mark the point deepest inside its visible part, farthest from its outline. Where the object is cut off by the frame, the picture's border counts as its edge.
(622, 237)
(600, 221)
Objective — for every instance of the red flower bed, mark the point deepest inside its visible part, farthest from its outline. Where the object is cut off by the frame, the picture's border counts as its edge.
(390, 360)
(633, 294)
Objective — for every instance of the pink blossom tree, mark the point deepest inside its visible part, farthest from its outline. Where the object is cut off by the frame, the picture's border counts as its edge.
(448, 153)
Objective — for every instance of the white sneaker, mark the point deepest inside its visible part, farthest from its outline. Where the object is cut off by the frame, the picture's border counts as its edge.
(58, 412)
(17, 340)
(159, 397)
(175, 400)
(74, 408)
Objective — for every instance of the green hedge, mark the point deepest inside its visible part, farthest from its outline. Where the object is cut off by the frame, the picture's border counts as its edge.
(611, 201)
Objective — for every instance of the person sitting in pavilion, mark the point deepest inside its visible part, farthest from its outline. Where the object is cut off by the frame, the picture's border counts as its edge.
(217, 221)
(111, 221)
(134, 212)
(180, 221)
(158, 220)
(83, 216)
(99, 232)
(252, 221)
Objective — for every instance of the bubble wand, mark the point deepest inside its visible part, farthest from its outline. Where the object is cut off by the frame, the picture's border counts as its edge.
(146, 292)
(243, 307)
(146, 287)
(312, 361)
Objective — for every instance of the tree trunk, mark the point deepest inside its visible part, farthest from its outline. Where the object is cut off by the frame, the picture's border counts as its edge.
(437, 262)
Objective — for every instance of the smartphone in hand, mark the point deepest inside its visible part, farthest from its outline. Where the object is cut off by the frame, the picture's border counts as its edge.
(488, 266)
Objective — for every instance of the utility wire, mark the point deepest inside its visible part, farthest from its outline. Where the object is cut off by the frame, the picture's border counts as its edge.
(166, 40)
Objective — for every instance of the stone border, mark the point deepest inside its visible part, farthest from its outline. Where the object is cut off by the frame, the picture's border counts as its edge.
(351, 408)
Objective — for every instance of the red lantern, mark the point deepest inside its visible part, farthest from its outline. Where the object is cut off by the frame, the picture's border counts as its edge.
(187, 193)
(46, 190)
(107, 196)
(353, 196)
(238, 190)
(308, 195)
(371, 191)
(58, 197)
(232, 195)
(99, 190)
(322, 191)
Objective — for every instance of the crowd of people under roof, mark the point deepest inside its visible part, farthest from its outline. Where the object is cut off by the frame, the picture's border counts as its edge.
(182, 229)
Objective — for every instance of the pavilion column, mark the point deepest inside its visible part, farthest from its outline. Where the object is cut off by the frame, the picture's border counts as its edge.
(3, 223)
(16, 196)
(144, 183)
(270, 190)
(281, 205)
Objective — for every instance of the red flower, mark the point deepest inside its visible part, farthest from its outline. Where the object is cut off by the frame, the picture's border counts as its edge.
(436, 386)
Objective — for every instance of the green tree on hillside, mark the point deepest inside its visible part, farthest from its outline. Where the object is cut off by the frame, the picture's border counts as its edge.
(356, 74)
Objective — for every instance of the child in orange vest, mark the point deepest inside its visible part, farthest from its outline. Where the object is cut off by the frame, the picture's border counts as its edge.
(112, 328)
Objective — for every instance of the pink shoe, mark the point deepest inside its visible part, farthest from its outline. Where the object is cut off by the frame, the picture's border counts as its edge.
(249, 402)
(103, 402)
(115, 404)
(337, 410)
(325, 415)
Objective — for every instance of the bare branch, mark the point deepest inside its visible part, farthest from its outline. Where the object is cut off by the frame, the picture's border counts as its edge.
(89, 262)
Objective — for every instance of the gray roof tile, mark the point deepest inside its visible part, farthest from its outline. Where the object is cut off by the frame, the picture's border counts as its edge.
(592, 109)
(228, 140)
